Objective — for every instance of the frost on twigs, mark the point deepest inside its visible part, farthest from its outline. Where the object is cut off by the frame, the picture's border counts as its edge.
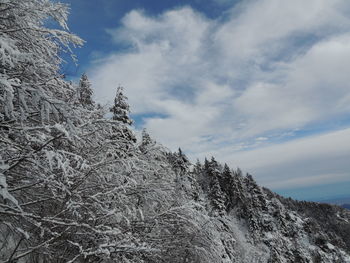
(77, 187)
(5, 196)
(73, 185)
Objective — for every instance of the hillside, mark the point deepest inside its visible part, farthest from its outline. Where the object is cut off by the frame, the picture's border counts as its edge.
(78, 187)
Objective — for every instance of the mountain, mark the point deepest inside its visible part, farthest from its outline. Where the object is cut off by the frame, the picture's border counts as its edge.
(336, 201)
(343, 202)
(78, 187)
(347, 206)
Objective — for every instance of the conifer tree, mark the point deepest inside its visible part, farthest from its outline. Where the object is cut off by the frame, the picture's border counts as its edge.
(255, 191)
(85, 92)
(197, 169)
(74, 188)
(214, 169)
(121, 108)
(226, 185)
(210, 169)
(206, 165)
(182, 161)
(146, 141)
(120, 111)
(238, 193)
(226, 178)
(201, 174)
(217, 196)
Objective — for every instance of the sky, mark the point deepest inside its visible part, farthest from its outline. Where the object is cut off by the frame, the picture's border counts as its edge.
(260, 84)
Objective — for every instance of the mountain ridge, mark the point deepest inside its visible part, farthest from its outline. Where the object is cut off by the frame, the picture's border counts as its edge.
(78, 187)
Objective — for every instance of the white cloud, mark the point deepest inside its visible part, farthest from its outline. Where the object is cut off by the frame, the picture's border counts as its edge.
(260, 28)
(269, 68)
(164, 56)
(302, 162)
(314, 88)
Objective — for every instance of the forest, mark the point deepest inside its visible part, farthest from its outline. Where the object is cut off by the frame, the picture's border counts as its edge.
(77, 186)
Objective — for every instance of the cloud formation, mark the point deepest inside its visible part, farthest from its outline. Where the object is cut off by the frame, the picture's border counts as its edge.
(308, 161)
(232, 85)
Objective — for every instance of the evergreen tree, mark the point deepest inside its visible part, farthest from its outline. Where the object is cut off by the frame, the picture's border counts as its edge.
(201, 174)
(197, 169)
(74, 188)
(238, 192)
(183, 157)
(179, 161)
(206, 165)
(209, 172)
(214, 170)
(217, 196)
(121, 108)
(85, 92)
(226, 178)
(146, 141)
(226, 185)
(256, 193)
(120, 111)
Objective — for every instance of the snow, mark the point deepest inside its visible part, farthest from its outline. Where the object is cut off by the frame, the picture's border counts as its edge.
(77, 187)
(4, 191)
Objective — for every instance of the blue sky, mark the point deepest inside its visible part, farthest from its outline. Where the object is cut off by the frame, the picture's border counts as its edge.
(263, 85)
(91, 19)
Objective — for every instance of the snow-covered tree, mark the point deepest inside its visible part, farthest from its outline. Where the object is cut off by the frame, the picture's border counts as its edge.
(30, 59)
(226, 182)
(85, 92)
(217, 196)
(74, 186)
(226, 178)
(121, 108)
(36, 130)
(146, 142)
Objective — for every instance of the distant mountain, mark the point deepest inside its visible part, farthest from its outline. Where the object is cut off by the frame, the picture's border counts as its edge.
(343, 202)
(337, 201)
(77, 187)
(347, 206)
